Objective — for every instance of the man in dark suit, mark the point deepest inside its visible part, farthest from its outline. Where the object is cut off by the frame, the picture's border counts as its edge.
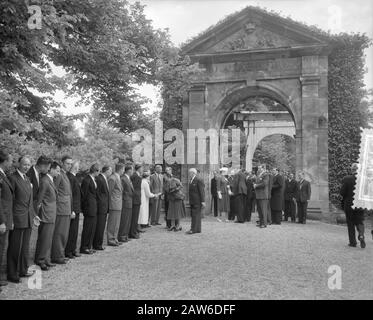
(35, 173)
(71, 246)
(6, 212)
(47, 211)
(277, 197)
(262, 196)
(136, 179)
(64, 212)
(239, 190)
(214, 193)
(196, 200)
(127, 197)
(290, 195)
(156, 187)
(102, 206)
(303, 195)
(115, 205)
(354, 217)
(23, 218)
(250, 196)
(89, 208)
(270, 184)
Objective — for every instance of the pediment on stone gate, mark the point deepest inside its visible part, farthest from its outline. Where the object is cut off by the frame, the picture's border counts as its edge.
(253, 29)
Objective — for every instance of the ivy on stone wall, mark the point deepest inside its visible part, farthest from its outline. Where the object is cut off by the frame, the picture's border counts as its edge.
(348, 110)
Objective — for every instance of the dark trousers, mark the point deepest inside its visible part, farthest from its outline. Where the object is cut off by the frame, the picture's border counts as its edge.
(73, 235)
(262, 205)
(289, 210)
(215, 204)
(276, 216)
(18, 252)
(269, 213)
(196, 218)
(44, 243)
(98, 239)
(232, 207)
(60, 236)
(240, 207)
(4, 241)
(134, 220)
(249, 208)
(302, 211)
(155, 209)
(355, 220)
(89, 228)
(125, 223)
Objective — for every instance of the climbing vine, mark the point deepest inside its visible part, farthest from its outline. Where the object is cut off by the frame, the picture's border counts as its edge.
(348, 107)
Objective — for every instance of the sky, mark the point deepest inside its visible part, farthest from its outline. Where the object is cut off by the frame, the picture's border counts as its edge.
(187, 18)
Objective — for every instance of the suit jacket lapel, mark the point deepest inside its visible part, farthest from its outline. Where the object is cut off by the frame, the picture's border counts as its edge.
(26, 185)
(5, 178)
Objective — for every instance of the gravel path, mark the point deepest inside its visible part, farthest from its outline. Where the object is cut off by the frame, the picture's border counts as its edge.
(226, 261)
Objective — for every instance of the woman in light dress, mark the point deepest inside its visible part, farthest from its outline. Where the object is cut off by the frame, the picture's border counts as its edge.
(145, 196)
(223, 189)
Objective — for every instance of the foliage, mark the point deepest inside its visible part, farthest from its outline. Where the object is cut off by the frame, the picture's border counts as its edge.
(348, 107)
(276, 151)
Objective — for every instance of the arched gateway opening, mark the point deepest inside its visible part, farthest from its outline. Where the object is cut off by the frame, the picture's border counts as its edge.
(267, 128)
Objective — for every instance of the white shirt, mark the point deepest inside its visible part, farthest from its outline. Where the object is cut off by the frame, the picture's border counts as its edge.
(50, 177)
(94, 181)
(36, 174)
(192, 179)
(21, 174)
(2, 171)
(107, 184)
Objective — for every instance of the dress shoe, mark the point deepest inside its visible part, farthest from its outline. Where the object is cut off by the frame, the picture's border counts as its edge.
(189, 232)
(171, 228)
(93, 250)
(136, 236)
(3, 283)
(99, 248)
(362, 242)
(113, 244)
(86, 251)
(70, 256)
(352, 245)
(154, 224)
(76, 255)
(14, 280)
(158, 224)
(50, 265)
(141, 231)
(178, 228)
(59, 261)
(43, 267)
(27, 274)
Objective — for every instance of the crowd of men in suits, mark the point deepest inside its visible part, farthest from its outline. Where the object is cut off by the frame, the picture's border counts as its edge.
(52, 196)
(269, 191)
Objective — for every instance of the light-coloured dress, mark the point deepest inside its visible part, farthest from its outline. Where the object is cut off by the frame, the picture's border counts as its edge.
(144, 207)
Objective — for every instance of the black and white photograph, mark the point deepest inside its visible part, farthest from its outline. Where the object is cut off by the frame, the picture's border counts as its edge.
(198, 153)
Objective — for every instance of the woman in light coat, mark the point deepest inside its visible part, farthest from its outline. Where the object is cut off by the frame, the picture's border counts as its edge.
(145, 196)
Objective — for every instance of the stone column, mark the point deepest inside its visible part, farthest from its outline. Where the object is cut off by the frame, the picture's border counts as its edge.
(313, 140)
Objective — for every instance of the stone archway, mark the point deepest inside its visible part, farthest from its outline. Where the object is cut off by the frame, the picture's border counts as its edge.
(285, 61)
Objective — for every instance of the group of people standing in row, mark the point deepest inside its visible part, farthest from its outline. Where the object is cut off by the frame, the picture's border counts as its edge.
(52, 196)
(235, 196)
